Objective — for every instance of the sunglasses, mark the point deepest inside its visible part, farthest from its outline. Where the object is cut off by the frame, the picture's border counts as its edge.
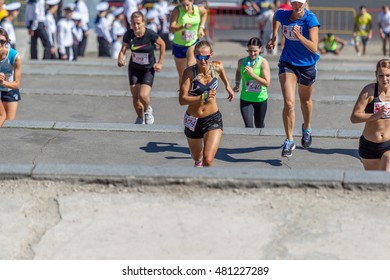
(200, 57)
(3, 42)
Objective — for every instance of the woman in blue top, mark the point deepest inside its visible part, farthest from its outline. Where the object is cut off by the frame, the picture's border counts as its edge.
(297, 64)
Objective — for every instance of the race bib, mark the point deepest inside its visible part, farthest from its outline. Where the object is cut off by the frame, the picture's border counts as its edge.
(378, 106)
(252, 86)
(140, 58)
(188, 35)
(363, 27)
(190, 122)
(289, 34)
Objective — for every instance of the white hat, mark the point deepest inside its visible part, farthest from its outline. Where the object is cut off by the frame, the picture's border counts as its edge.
(300, 1)
(52, 2)
(102, 6)
(12, 6)
(76, 16)
(118, 11)
(69, 6)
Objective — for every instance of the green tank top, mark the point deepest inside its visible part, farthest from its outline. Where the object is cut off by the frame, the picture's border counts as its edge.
(251, 90)
(187, 36)
(330, 43)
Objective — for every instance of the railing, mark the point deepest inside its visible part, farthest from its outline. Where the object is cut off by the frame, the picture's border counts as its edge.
(336, 20)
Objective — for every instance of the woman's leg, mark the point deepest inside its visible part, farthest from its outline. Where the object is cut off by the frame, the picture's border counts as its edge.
(306, 104)
(191, 56)
(211, 141)
(138, 107)
(3, 114)
(10, 108)
(247, 110)
(260, 112)
(385, 162)
(288, 83)
(181, 64)
(371, 164)
(196, 148)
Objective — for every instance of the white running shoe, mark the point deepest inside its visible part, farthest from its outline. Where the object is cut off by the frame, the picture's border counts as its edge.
(149, 119)
(139, 120)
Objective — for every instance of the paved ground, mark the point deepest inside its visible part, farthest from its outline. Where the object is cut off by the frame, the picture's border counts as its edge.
(80, 181)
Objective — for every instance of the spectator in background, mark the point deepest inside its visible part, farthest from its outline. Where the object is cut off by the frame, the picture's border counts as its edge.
(331, 44)
(130, 6)
(117, 24)
(13, 11)
(265, 26)
(65, 35)
(117, 34)
(152, 20)
(77, 32)
(82, 8)
(103, 30)
(35, 22)
(286, 5)
(362, 30)
(3, 12)
(51, 25)
(384, 28)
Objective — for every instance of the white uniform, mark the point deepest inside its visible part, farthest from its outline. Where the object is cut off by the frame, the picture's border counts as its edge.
(51, 28)
(384, 21)
(82, 8)
(65, 37)
(9, 27)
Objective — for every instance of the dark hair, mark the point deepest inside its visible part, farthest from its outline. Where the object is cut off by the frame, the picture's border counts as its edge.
(5, 34)
(255, 41)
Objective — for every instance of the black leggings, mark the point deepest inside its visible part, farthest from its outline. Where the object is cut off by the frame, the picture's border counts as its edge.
(253, 111)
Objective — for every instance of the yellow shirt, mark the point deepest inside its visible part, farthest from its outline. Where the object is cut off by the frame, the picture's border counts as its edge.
(363, 23)
(3, 14)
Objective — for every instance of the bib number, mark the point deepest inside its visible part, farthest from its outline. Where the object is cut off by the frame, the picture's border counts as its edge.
(252, 86)
(140, 58)
(188, 35)
(289, 34)
(190, 122)
(379, 105)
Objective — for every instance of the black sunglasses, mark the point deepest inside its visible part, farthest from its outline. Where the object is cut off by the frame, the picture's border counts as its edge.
(3, 42)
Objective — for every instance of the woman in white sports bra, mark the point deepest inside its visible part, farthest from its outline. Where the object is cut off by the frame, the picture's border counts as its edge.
(202, 120)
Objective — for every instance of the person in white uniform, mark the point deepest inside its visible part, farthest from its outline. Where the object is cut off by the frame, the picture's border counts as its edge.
(102, 29)
(51, 24)
(64, 34)
(12, 12)
(77, 32)
(82, 8)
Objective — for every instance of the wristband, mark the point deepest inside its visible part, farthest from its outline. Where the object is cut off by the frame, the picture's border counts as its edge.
(202, 26)
(237, 83)
(205, 96)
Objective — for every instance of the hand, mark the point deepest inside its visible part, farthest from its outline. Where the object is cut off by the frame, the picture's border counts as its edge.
(231, 94)
(121, 62)
(249, 70)
(157, 67)
(201, 33)
(236, 89)
(271, 44)
(297, 31)
(2, 78)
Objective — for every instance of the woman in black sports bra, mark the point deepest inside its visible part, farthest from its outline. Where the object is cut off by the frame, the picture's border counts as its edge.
(202, 120)
(373, 108)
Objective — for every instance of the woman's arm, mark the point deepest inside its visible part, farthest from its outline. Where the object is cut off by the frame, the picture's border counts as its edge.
(265, 80)
(203, 19)
(158, 66)
(358, 113)
(238, 76)
(221, 72)
(173, 25)
(121, 55)
(312, 43)
(184, 97)
(15, 84)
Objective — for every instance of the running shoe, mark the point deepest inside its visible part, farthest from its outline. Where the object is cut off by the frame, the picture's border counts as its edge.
(139, 120)
(149, 119)
(306, 138)
(287, 148)
(198, 163)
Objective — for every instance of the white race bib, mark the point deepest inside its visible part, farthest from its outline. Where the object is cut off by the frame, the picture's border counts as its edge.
(378, 106)
(252, 86)
(289, 34)
(140, 58)
(188, 35)
(190, 122)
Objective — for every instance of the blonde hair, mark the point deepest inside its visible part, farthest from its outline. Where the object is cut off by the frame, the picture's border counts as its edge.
(202, 44)
(137, 14)
(383, 63)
